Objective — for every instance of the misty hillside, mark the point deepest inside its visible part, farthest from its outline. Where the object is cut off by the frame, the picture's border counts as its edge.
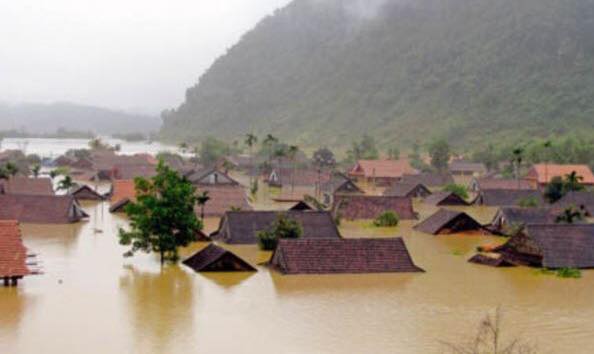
(47, 118)
(326, 71)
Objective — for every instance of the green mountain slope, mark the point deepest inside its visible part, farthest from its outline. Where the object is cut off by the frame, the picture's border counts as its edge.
(468, 70)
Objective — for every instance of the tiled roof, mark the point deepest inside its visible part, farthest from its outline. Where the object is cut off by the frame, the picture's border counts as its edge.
(444, 198)
(126, 171)
(382, 168)
(299, 176)
(85, 192)
(13, 254)
(332, 256)
(544, 173)
(123, 189)
(448, 221)
(467, 167)
(211, 176)
(523, 216)
(340, 183)
(25, 185)
(582, 200)
(40, 209)
(223, 198)
(429, 179)
(407, 190)
(501, 183)
(354, 207)
(241, 227)
(217, 259)
(507, 197)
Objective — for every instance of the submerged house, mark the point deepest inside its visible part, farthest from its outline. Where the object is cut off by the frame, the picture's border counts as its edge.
(40, 209)
(241, 227)
(26, 185)
(85, 192)
(510, 219)
(217, 259)
(381, 172)
(303, 177)
(508, 197)
(488, 183)
(541, 174)
(122, 192)
(550, 246)
(407, 190)
(582, 200)
(466, 168)
(225, 192)
(445, 199)
(339, 184)
(446, 222)
(13, 254)
(370, 207)
(429, 179)
(346, 256)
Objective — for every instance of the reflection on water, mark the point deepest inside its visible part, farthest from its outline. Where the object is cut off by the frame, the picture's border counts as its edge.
(92, 300)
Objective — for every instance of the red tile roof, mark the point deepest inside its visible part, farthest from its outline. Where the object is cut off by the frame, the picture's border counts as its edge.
(544, 173)
(382, 168)
(123, 189)
(13, 254)
(332, 256)
(369, 207)
(25, 185)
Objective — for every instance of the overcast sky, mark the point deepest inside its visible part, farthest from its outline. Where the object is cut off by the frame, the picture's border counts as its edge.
(136, 55)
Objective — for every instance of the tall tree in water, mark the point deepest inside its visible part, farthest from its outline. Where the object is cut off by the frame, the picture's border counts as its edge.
(292, 154)
(439, 151)
(250, 141)
(202, 199)
(162, 218)
(517, 158)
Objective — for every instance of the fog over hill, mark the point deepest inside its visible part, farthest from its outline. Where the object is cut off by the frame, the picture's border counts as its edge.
(468, 70)
(43, 118)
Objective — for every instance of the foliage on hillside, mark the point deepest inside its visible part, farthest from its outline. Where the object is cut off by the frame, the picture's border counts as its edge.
(467, 71)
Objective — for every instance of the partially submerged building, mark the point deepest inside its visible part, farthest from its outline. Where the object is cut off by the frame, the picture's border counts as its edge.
(13, 254)
(542, 174)
(509, 220)
(84, 192)
(241, 227)
(217, 259)
(488, 183)
(467, 168)
(40, 209)
(336, 256)
(582, 200)
(26, 185)
(508, 197)
(381, 172)
(122, 193)
(417, 190)
(339, 185)
(445, 199)
(429, 179)
(446, 222)
(370, 207)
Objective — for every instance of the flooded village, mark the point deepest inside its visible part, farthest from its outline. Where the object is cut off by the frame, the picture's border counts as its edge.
(382, 257)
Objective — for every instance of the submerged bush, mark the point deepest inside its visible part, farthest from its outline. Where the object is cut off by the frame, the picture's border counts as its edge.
(283, 227)
(387, 219)
(458, 189)
(569, 273)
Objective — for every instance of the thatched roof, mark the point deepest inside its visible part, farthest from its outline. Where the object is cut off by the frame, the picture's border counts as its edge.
(407, 190)
(448, 222)
(241, 227)
(217, 259)
(507, 197)
(444, 198)
(331, 256)
(354, 207)
(40, 209)
(13, 254)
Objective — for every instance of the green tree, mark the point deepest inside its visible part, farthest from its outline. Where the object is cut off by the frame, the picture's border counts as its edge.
(569, 216)
(573, 182)
(162, 218)
(66, 184)
(36, 169)
(202, 199)
(387, 219)
(250, 141)
(394, 153)
(211, 150)
(283, 227)
(457, 189)
(324, 158)
(554, 190)
(439, 151)
(365, 149)
(292, 154)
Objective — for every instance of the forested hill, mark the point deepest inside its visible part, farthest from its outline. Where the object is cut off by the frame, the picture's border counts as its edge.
(325, 71)
(41, 118)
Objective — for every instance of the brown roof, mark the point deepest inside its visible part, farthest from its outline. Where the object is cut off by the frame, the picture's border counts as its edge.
(299, 177)
(211, 176)
(382, 168)
(556, 245)
(407, 190)
(522, 216)
(217, 259)
(241, 227)
(583, 200)
(131, 171)
(502, 183)
(369, 207)
(40, 209)
(507, 197)
(332, 256)
(467, 167)
(13, 254)
(544, 173)
(123, 189)
(445, 198)
(448, 222)
(26, 185)
(223, 198)
(429, 179)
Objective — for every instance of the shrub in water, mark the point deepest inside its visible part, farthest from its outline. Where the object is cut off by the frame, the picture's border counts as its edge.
(387, 219)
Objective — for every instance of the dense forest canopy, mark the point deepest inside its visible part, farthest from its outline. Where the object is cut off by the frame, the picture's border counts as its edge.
(463, 70)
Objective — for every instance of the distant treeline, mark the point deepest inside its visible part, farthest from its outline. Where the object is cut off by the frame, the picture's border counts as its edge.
(60, 133)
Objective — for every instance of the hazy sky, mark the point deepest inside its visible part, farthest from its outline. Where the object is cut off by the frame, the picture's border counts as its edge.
(137, 55)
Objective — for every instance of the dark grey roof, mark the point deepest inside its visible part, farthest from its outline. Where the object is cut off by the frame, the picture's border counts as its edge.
(455, 221)
(241, 227)
(582, 200)
(525, 216)
(217, 259)
(564, 246)
(429, 179)
(507, 197)
(407, 190)
(444, 198)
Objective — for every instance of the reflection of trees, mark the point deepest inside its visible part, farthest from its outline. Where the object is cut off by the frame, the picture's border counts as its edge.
(13, 304)
(160, 305)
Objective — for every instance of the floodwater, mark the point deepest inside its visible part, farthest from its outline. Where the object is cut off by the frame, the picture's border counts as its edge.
(92, 300)
(52, 148)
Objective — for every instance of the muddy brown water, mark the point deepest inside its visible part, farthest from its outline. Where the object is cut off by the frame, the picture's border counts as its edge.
(92, 300)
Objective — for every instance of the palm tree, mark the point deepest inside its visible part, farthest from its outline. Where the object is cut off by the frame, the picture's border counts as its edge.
(547, 145)
(573, 182)
(569, 216)
(4, 174)
(11, 169)
(269, 143)
(517, 162)
(202, 199)
(250, 141)
(292, 154)
(53, 174)
(35, 170)
(66, 184)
